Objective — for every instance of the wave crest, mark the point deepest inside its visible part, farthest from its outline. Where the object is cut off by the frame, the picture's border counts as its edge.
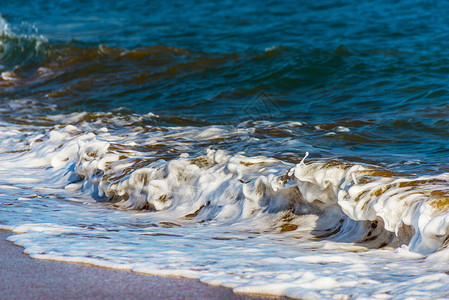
(347, 202)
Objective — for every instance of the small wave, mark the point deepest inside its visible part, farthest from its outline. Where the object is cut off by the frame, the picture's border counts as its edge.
(345, 202)
(19, 45)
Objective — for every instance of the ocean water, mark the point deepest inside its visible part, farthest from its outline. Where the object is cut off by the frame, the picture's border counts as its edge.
(285, 148)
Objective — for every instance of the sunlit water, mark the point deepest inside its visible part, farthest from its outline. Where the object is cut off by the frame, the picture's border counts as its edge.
(276, 148)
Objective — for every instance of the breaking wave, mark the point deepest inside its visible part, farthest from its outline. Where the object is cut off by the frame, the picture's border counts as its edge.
(146, 158)
(352, 202)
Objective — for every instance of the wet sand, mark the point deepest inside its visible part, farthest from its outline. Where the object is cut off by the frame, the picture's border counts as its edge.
(24, 278)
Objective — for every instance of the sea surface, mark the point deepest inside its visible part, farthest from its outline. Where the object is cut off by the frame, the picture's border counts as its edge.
(285, 148)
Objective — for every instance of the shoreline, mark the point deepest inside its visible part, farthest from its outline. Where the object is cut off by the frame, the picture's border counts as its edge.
(22, 277)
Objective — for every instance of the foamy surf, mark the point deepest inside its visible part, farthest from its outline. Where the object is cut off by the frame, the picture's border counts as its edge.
(153, 200)
(216, 184)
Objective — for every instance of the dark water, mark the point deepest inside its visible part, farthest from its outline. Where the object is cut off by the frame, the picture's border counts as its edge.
(166, 106)
(377, 68)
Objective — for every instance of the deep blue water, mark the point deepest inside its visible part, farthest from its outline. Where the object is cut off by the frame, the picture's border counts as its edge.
(377, 68)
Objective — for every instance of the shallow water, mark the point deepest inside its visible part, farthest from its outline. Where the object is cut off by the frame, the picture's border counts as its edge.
(275, 148)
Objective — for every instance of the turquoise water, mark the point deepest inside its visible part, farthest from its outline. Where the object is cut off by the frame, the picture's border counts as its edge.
(107, 102)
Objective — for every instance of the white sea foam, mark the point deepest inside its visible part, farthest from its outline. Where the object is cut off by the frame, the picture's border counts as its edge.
(316, 229)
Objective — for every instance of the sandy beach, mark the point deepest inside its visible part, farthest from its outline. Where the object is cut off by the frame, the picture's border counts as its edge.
(24, 278)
